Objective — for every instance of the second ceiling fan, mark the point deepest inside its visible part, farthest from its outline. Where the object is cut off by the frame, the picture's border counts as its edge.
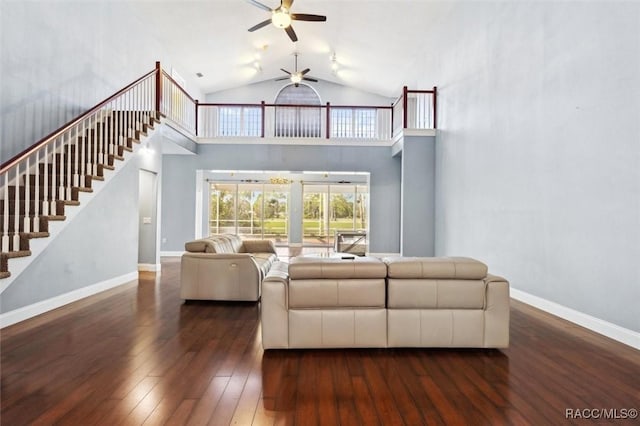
(296, 76)
(281, 17)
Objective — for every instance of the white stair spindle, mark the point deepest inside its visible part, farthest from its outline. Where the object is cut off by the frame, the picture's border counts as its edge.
(36, 197)
(57, 176)
(102, 131)
(45, 186)
(138, 117)
(112, 128)
(27, 206)
(5, 215)
(94, 143)
(83, 149)
(72, 175)
(16, 217)
(76, 177)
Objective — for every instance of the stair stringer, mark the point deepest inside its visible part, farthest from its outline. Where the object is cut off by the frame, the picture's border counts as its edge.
(38, 245)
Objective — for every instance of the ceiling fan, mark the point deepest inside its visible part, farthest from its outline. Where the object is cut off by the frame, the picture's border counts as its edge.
(281, 17)
(297, 76)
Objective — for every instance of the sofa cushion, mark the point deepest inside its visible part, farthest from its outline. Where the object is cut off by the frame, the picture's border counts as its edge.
(336, 293)
(337, 328)
(463, 268)
(236, 243)
(301, 268)
(435, 294)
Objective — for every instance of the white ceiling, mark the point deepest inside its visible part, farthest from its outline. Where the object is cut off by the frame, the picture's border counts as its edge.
(375, 42)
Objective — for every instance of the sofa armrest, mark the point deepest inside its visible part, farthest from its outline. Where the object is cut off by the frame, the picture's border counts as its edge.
(219, 276)
(496, 312)
(259, 246)
(274, 310)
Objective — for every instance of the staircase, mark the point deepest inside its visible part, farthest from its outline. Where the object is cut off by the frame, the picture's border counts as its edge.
(38, 185)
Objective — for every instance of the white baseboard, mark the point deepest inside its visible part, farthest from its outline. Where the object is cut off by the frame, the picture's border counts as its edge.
(149, 267)
(613, 331)
(26, 312)
(294, 244)
(171, 253)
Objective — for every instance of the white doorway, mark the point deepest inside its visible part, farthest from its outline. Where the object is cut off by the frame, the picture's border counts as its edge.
(148, 254)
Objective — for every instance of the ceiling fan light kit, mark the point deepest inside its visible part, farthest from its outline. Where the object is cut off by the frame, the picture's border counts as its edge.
(281, 17)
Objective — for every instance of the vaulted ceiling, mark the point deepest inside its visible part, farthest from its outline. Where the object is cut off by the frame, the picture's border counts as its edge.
(375, 43)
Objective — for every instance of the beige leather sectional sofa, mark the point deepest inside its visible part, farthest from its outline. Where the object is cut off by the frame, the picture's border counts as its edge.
(394, 302)
(225, 267)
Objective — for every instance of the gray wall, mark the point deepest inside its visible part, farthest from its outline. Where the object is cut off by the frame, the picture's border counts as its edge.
(99, 244)
(538, 150)
(179, 180)
(58, 59)
(418, 196)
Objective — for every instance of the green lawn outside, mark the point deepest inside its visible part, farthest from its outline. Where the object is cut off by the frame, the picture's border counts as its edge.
(277, 226)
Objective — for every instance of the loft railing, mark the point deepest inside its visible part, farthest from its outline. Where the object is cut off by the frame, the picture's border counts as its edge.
(175, 103)
(414, 109)
(328, 121)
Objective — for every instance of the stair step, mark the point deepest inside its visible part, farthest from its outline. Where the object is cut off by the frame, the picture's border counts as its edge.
(19, 253)
(74, 161)
(56, 180)
(43, 225)
(50, 195)
(86, 144)
(56, 207)
(40, 234)
(23, 241)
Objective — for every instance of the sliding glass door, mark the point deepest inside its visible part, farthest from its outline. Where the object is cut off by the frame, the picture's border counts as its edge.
(251, 210)
(222, 209)
(331, 208)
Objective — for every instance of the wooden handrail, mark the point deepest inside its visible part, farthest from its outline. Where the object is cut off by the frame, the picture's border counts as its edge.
(260, 105)
(24, 154)
(420, 91)
(205, 104)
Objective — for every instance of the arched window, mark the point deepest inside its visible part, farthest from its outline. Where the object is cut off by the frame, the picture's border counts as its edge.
(298, 121)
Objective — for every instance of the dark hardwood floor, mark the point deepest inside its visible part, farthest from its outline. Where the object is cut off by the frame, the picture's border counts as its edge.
(138, 355)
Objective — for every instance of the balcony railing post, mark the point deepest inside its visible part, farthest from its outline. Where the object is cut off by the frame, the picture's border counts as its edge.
(435, 107)
(196, 120)
(405, 91)
(392, 108)
(328, 124)
(158, 86)
(263, 109)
